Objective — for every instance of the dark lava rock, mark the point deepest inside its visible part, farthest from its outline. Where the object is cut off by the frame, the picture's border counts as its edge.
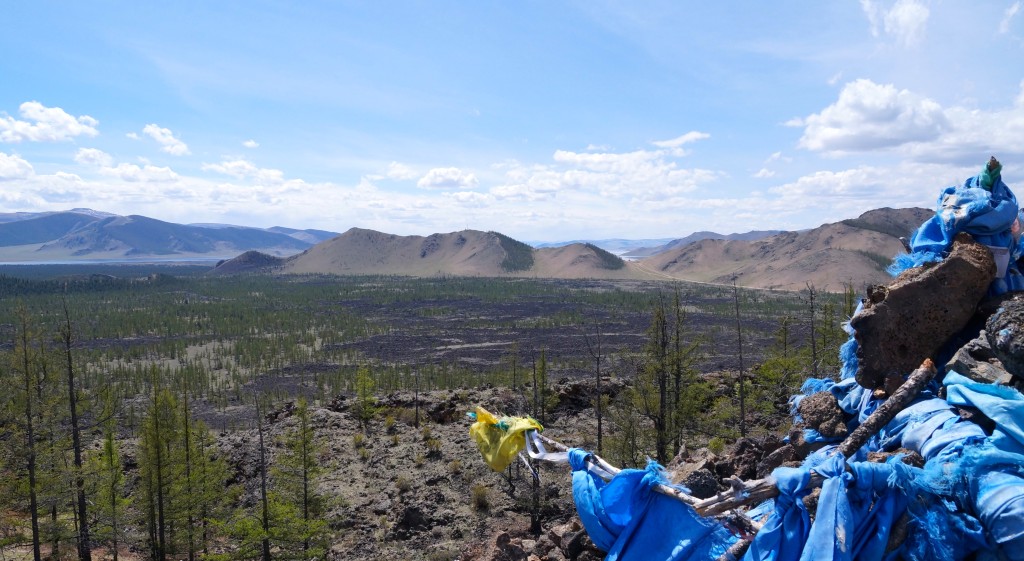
(701, 483)
(906, 322)
(977, 361)
(745, 454)
(1005, 330)
(776, 459)
(821, 412)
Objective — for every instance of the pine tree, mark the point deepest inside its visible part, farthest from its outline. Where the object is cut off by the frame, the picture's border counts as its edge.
(24, 362)
(67, 338)
(157, 466)
(107, 487)
(297, 525)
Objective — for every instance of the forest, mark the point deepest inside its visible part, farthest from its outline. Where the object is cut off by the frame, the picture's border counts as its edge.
(124, 383)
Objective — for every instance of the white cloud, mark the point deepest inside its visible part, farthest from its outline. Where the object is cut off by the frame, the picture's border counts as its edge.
(13, 167)
(401, 172)
(470, 198)
(905, 20)
(1008, 16)
(45, 124)
(447, 178)
(692, 136)
(630, 177)
(764, 173)
(133, 136)
(251, 144)
(243, 169)
(870, 116)
(145, 174)
(165, 138)
(93, 157)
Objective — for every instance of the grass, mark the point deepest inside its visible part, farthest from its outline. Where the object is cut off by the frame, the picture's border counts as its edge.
(479, 497)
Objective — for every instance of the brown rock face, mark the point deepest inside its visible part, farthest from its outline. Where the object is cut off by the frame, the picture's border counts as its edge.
(1005, 331)
(908, 321)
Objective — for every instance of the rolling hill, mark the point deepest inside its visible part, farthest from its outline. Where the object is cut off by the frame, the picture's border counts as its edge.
(696, 237)
(83, 234)
(466, 253)
(852, 251)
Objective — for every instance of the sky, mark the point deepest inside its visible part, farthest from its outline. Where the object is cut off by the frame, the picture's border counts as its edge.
(543, 120)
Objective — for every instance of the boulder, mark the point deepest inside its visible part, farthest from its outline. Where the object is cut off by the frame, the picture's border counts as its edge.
(1005, 334)
(976, 361)
(907, 321)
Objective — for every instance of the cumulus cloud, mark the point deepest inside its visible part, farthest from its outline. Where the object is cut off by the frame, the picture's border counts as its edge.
(448, 178)
(145, 174)
(400, 171)
(45, 124)
(1008, 16)
(871, 116)
(251, 144)
(14, 167)
(764, 173)
(905, 20)
(93, 157)
(638, 176)
(165, 138)
(243, 169)
(470, 198)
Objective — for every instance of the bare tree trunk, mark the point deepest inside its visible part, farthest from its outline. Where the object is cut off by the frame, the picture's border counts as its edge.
(67, 337)
(30, 438)
(811, 293)
(594, 347)
(265, 519)
(739, 351)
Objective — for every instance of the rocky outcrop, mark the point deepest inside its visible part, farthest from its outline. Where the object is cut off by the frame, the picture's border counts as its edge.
(1005, 335)
(909, 320)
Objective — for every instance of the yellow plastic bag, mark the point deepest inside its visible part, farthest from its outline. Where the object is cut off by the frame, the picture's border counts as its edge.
(500, 440)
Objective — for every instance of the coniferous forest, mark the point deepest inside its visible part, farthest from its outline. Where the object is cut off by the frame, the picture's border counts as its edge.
(123, 386)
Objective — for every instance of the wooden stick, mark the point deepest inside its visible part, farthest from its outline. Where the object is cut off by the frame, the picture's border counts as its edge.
(899, 399)
(603, 464)
(762, 489)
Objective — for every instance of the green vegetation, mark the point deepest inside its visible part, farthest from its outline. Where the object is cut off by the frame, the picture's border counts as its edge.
(887, 229)
(609, 260)
(518, 256)
(139, 359)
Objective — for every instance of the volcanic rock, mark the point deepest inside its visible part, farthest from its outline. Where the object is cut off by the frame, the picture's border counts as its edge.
(1005, 332)
(904, 323)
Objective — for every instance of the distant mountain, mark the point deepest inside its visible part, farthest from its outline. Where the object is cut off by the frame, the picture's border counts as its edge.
(466, 253)
(853, 251)
(618, 246)
(647, 251)
(87, 234)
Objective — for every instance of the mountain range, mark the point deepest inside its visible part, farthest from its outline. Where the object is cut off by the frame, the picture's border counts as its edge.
(853, 251)
(83, 234)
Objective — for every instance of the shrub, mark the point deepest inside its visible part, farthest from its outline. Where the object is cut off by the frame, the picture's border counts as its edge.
(479, 497)
(403, 484)
(716, 445)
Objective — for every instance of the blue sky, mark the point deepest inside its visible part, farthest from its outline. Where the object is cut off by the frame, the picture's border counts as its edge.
(542, 120)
